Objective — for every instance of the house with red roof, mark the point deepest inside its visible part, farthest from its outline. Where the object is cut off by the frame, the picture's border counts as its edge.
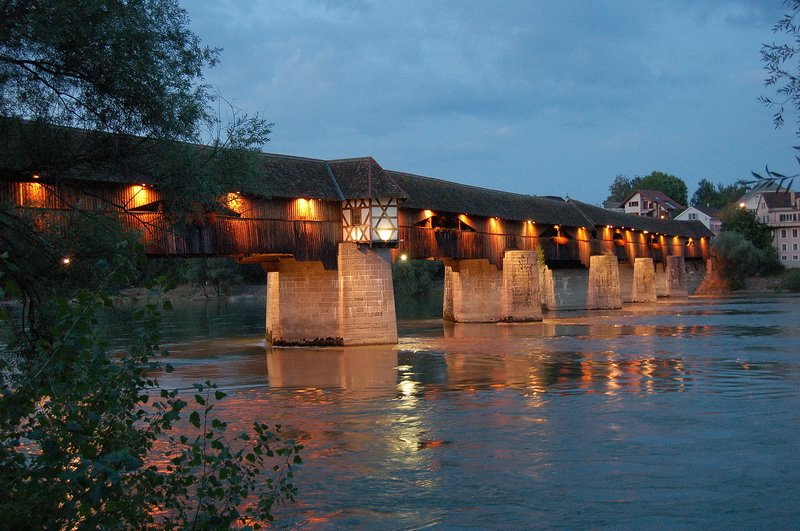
(651, 204)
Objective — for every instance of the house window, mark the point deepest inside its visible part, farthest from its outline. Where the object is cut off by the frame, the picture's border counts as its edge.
(794, 247)
(794, 233)
(783, 247)
(692, 216)
(794, 258)
(633, 203)
(783, 233)
(784, 258)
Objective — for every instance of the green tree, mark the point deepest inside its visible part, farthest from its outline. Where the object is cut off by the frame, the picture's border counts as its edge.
(705, 195)
(621, 188)
(718, 196)
(780, 64)
(746, 223)
(668, 184)
(79, 427)
(744, 247)
(94, 88)
(98, 88)
(218, 273)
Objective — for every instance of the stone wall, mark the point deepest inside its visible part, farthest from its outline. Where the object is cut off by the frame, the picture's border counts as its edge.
(302, 304)
(521, 300)
(473, 292)
(366, 295)
(354, 305)
(604, 283)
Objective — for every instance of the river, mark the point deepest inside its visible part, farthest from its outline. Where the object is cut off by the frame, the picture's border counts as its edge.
(675, 414)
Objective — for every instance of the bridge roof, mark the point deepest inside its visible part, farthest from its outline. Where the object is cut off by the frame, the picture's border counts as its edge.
(288, 176)
(364, 177)
(436, 194)
(333, 180)
(598, 217)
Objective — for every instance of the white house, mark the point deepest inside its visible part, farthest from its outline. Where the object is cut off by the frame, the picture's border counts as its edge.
(709, 216)
(650, 203)
(781, 211)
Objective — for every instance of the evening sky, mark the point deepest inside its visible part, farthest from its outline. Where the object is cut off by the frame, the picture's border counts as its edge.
(543, 98)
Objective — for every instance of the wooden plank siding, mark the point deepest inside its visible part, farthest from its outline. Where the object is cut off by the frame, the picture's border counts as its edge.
(493, 237)
(308, 229)
(311, 229)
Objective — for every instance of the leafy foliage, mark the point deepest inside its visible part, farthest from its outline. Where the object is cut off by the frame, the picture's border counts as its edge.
(82, 443)
(142, 80)
(670, 185)
(621, 188)
(778, 62)
(744, 247)
(218, 273)
(791, 280)
(98, 89)
(719, 196)
(416, 278)
(746, 223)
(78, 79)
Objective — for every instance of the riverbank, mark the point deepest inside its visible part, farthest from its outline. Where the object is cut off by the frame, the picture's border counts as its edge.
(197, 293)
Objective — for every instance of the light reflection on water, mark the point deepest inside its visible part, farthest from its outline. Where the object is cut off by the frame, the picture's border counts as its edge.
(672, 414)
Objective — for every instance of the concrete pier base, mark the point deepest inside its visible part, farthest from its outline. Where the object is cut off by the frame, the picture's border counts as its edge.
(676, 285)
(626, 281)
(472, 293)
(564, 289)
(303, 305)
(366, 295)
(521, 299)
(604, 292)
(354, 305)
(644, 281)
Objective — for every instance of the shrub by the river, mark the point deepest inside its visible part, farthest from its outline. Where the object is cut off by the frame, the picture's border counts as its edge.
(740, 258)
(417, 278)
(791, 280)
(89, 440)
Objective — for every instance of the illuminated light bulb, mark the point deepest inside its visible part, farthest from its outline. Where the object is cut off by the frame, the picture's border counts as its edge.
(66, 260)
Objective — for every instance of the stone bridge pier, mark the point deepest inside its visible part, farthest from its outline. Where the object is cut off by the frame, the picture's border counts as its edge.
(353, 305)
(475, 291)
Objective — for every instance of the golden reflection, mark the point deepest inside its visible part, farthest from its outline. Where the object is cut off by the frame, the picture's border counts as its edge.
(613, 379)
(370, 371)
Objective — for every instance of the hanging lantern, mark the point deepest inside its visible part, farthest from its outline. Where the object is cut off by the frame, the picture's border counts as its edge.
(370, 220)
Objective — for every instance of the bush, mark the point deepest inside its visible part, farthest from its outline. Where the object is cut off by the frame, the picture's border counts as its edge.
(791, 280)
(417, 278)
(86, 437)
(739, 258)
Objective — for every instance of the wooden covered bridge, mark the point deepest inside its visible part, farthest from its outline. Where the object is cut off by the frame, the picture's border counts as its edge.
(326, 231)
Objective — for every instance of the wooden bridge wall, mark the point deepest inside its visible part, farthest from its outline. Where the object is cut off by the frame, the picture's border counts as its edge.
(492, 237)
(311, 229)
(308, 229)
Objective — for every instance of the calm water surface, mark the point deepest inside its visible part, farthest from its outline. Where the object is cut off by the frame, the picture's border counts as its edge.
(675, 414)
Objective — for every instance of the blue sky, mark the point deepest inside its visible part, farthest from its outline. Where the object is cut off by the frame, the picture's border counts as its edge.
(535, 97)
